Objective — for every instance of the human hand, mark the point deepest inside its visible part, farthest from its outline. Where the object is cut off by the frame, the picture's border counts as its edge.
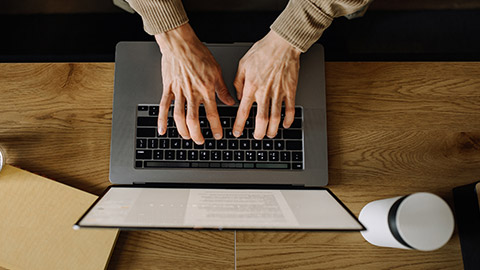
(190, 74)
(267, 75)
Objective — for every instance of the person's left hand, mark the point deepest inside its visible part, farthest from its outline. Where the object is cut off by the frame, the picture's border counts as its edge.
(267, 75)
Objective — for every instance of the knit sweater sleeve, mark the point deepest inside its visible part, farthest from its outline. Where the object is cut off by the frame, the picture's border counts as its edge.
(160, 16)
(302, 22)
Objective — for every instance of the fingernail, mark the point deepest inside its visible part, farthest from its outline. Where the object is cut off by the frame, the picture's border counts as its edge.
(217, 136)
(161, 130)
(236, 133)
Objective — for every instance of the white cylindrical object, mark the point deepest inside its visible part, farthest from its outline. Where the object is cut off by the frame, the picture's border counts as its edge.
(421, 221)
(2, 158)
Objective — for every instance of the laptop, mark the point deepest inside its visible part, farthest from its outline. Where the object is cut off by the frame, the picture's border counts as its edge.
(164, 181)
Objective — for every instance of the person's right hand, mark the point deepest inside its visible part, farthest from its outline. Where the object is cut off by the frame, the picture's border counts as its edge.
(190, 74)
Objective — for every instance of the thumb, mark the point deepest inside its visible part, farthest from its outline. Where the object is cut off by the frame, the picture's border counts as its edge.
(223, 94)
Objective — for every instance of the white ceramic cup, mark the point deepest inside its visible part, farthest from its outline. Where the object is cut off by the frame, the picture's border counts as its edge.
(420, 221)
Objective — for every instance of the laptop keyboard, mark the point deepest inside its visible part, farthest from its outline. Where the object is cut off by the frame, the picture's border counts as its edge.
(284, 152)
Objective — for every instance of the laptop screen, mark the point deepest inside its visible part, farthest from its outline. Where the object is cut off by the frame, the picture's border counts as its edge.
(219, 208)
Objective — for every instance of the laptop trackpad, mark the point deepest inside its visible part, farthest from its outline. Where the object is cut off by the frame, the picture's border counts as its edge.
(219, 208)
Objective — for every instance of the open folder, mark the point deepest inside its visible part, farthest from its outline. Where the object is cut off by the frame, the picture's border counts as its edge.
(219, 207)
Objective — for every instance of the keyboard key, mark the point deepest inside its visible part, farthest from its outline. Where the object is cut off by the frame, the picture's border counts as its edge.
(279, 145)
(227, 155)
(164, 143)
(279, 134)
(238, 155)
(152, 143)
(153, 110)
(249, 123)
(194, 165)
(250, 155)
(203, 165)
(146, 132)
(297, 123)
(139, 164)
(285, 156)
(244, 144)
(294, 145)
(187, 144)
(272, 166)
(143, 154)
(273, 156)
(147, 121)
(157, 154)
(250, 133)
(256, 145)
(193, 155)
(142, 108)
(166, 164)
(243, 135)
(267, 145)
(216, 155)
(232, 144)
(181, 154)
(176, 143)
(201, 111)
(229, 133)
(214, 165)
(225, 122)
(297, 166)
(297, 156)
(203, 122)
(227, 111)
(141, 143)
(298, 112)
(262, 155)
(172, 132)
(292, 134)
(198, 146)
(170, 154)
(207, 133)
(210, 144)
(204, 155)
(170, 122)
(222, 144)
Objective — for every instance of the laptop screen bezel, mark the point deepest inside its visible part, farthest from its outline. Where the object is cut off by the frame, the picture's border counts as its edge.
(216, 186)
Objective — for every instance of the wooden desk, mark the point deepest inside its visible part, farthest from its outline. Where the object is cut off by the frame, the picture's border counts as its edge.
(394, 129)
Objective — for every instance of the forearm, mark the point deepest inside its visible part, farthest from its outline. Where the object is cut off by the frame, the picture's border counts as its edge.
(160, 16)
(303, 21)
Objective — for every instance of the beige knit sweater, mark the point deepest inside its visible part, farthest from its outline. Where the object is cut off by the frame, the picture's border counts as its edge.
(301, 23)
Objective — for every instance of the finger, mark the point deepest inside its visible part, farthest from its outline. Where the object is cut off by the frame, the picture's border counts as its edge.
(242, 116)
(261, 120)
(289, 111)
(193, 123)
(222, 92)
(274, 117)
(213, 119)
(179, 116)
(239, 82)
(163, 111)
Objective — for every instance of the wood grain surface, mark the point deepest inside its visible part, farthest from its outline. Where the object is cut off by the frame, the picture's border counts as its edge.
(393, 129)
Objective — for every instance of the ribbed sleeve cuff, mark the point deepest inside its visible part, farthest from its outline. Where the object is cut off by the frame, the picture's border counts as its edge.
(301, 23)
(160, 16)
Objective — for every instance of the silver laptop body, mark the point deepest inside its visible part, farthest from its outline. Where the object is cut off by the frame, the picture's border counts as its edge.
(138, 80)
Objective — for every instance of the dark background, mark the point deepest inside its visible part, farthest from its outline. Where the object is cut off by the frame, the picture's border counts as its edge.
(391, 30)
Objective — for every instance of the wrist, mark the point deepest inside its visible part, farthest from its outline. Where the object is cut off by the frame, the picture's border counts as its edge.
(171, 41)
(281, 44)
